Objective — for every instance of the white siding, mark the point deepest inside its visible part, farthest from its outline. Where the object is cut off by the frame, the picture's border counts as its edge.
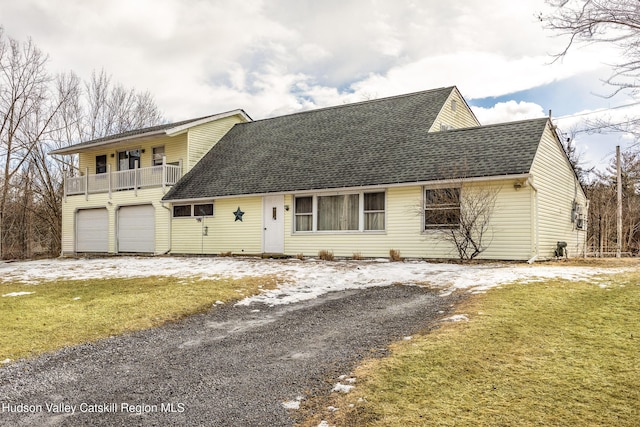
(557, 189)
(224, 233)
(175, 150)
(509, 233)
(203, 137)
(461, 117)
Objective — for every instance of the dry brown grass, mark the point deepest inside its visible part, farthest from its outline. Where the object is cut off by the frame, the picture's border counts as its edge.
(554, 353)
(394, 255)
(64, 313)
(326, 255)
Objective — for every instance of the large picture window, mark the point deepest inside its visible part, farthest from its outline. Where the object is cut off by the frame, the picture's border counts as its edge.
(338, 212)
(344, 212)
(441, 208)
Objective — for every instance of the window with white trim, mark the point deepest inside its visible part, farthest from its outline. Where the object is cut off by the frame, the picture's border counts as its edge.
(342, 212)
(193, 210)
(158, 154)
(374, 211)
(304, 213)
(441, 208)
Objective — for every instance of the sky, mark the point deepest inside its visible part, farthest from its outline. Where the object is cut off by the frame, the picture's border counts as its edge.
(282, 56)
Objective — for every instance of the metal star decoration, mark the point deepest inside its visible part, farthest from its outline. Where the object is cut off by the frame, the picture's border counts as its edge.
(238, 213)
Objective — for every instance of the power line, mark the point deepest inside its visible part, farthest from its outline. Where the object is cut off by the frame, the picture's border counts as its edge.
(598, 111)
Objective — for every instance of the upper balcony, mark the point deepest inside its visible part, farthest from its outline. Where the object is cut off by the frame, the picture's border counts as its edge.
(125, 180)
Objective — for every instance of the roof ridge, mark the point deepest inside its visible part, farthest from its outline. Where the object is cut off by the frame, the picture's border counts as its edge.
(358, 103)
(494, 125)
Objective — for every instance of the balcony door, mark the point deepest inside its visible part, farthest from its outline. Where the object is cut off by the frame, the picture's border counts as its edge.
(127, 159)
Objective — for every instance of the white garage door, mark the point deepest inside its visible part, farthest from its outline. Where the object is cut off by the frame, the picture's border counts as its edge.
(136, 229)
(92, 230)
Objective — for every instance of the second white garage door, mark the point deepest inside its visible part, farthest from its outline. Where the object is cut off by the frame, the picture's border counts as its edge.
(136, 229)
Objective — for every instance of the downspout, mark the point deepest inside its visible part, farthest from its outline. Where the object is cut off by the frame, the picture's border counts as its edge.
(585, 227)
(537, 223)
(169, 228)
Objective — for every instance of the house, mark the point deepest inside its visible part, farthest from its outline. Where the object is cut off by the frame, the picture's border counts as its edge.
(115, 204)
(362, 179)
(357, 179)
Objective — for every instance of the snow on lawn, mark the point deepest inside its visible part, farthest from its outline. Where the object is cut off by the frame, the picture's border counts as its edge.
(300, 280)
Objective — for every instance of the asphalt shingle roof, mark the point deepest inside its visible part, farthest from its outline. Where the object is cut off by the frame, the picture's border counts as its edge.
(385, 141)
(142, 132)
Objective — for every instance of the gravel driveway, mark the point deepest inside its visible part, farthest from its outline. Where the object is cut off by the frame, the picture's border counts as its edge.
(231, 366)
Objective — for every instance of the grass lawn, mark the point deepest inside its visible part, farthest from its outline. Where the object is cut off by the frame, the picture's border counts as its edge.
(64, 313)
(554, 353)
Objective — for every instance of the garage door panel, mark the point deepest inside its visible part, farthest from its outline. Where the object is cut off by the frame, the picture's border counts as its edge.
(92, 230)
(136, 229)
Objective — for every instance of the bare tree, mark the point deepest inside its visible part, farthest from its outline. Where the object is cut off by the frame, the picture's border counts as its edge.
(39, 113)
(114, 109)
(613, 22)
(461, 216)
(24, 113)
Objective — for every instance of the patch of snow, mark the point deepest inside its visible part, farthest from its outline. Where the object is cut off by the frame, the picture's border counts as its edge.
(332, 408)
(342, 388)
(5, 361)
(408, 338)
(457, 318)
(76, 299)
(298, 280)
(293, 404)
(323, 423)
(17, 294)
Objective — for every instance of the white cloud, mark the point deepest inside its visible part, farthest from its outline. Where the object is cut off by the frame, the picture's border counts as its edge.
(508, 111)
(272, 57)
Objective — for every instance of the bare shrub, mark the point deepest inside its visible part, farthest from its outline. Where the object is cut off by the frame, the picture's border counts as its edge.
(326, 255)
(394, 255)
(461, 216)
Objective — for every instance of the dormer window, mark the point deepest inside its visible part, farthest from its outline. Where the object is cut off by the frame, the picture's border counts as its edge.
(454, 105)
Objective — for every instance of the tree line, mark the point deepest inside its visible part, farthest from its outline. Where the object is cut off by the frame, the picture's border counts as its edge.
(616, 24)
(40, 112)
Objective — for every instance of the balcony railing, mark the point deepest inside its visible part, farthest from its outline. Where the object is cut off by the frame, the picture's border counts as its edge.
(132, 179)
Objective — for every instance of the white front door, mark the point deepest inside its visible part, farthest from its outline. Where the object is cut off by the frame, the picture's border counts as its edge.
(273, 222)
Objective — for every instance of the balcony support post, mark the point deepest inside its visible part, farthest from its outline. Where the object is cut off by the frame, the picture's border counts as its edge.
(164, 174)
(86, 184)
(135, 178)
(109, 177)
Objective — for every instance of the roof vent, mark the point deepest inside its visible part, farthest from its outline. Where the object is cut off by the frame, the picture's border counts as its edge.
(444, 127)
